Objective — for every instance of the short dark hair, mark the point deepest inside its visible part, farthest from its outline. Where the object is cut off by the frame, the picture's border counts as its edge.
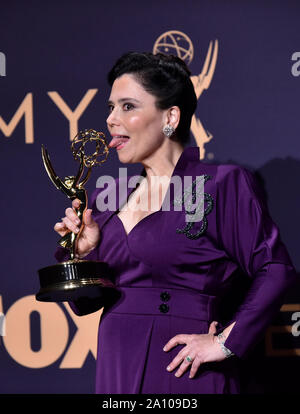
(166, 77)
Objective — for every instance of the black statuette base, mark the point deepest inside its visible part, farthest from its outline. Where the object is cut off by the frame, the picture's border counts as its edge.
(74, 280)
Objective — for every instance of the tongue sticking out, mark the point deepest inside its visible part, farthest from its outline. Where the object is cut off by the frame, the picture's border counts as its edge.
(116, 141)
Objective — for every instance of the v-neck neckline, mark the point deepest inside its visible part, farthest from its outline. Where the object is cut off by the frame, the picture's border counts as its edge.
(143, 218)
(188, 153)
(136, 225)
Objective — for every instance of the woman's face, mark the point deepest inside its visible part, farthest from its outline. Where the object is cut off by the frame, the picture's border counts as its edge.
(134, 121)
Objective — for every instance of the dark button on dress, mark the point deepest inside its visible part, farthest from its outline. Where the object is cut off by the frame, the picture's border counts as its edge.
(165, 296)
(164, 308)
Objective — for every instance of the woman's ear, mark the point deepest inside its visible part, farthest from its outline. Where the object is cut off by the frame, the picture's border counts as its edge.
(173, 116)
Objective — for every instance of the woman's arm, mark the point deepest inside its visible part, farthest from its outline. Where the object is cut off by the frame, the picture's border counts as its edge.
(252, 240)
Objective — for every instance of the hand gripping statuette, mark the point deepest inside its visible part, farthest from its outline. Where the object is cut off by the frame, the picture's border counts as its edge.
(77, 280)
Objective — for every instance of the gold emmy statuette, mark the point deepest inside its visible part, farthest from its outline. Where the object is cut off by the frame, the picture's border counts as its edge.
(77, 280)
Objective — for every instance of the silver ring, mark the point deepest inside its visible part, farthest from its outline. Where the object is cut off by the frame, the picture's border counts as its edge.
(189, 359)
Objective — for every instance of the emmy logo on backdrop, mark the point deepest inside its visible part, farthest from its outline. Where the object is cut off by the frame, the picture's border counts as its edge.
(179, 44)
(77, 279)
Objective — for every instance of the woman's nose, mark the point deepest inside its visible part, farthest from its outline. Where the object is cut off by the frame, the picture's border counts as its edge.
(112, 118)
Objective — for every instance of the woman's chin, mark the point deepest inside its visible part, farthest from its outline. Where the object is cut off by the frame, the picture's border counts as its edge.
(125, 157)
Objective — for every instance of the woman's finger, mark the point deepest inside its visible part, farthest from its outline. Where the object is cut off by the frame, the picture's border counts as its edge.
(176, 340)
(186, 363)
(195, 366)
(76, 203)
(213, 327)
(70, 225)
(177, 360)
(70, 213)
(61, 229)
(87, 217)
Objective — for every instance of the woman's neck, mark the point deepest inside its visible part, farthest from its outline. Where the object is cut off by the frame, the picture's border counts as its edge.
(164, 160)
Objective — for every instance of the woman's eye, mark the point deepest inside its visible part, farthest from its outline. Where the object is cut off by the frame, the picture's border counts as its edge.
(128, 106)
(110, 108)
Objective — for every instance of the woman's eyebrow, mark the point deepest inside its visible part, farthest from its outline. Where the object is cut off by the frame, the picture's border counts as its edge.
(123, 100)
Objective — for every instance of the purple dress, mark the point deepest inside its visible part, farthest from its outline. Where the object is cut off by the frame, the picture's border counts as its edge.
(175, 277)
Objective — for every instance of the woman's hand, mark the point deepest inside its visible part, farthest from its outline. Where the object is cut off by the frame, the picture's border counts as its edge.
(89, 236)
(200, 348)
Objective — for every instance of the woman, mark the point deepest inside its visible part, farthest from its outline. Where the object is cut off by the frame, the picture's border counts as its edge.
(170, 332)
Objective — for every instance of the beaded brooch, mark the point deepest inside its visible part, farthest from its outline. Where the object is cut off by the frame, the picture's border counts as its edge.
(194, 190)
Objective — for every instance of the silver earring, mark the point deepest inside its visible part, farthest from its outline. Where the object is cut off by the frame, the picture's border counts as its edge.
(168, 130)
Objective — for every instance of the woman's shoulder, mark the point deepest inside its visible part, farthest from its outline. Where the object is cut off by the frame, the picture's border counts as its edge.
(223, 172)
(229, 178)
(235, 173)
